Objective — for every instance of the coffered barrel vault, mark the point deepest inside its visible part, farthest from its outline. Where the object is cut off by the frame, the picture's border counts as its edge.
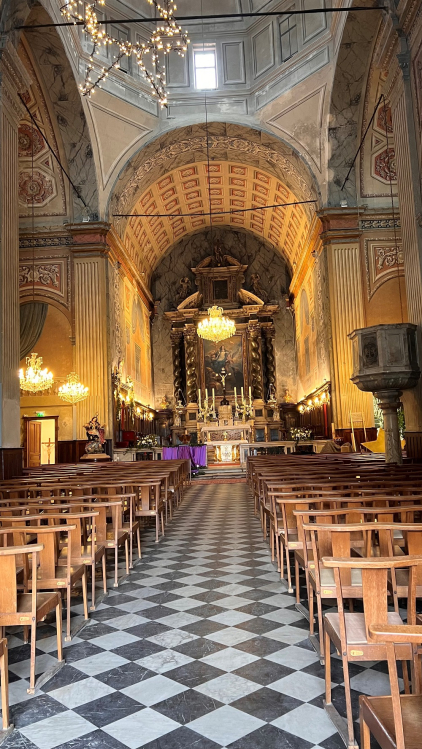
(226, 188)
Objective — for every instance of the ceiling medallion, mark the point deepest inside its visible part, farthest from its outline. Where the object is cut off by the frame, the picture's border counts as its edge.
(216, 327)
(164, 39)
(35, 379)
(73, 391)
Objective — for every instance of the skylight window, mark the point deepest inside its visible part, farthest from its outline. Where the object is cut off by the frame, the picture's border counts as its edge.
(204, 60)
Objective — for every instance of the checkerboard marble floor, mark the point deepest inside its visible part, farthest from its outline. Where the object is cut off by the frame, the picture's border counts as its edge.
(200, 648)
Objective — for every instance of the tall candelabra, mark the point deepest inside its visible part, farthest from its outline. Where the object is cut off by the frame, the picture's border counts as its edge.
(206, 408)
(244, 409)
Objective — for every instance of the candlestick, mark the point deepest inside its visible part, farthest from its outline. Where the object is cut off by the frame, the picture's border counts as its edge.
(241, 391)
(250, 392)
(199, 397)
(206, 395)
(235, 397)
(213, 398)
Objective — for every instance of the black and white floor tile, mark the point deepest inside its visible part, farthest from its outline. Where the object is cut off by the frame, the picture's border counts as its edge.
(201, 648)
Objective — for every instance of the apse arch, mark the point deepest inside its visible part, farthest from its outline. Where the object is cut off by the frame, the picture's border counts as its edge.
(248, 169)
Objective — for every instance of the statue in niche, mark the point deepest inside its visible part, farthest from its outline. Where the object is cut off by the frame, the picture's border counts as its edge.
(185, 288)
(95, 435)
(256, 287)
(218, 256)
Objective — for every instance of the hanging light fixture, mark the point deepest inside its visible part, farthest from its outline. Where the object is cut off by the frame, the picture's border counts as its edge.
(35, 379)
(216, 327)
(73, 391)
(166, 38)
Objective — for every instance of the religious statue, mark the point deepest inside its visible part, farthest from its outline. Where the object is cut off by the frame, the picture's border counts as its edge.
(218, 256)
(185, 288)
(165, 404)
(95, 435)
(286, 397)
(256, 287)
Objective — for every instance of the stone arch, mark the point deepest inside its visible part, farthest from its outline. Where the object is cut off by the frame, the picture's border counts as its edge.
(248, 168)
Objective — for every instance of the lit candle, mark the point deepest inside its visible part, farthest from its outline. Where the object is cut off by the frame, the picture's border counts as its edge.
(199, 397)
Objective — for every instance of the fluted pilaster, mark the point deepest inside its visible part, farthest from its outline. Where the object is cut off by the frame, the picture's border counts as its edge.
(347, 314)
(91, 355)
(13, 80)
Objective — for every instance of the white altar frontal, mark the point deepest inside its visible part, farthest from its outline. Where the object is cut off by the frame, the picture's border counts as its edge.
(224, 438)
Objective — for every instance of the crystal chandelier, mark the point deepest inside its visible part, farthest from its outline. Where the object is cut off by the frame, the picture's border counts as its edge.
(216, 327)
(166, 38)
(73, 391)
(35, 379)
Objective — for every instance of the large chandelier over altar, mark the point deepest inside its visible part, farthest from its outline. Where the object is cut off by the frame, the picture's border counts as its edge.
(35, 379)
(73, 391)
(166, 38)
(216, 327)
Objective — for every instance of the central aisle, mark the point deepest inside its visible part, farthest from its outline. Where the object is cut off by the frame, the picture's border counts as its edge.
(200, 649)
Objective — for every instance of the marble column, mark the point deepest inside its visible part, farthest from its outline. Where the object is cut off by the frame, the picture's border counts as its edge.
(13, 80)
(90, 267)
(191, 345)
(269, 334)
(408, 184)
(254, 333)
(176, 337)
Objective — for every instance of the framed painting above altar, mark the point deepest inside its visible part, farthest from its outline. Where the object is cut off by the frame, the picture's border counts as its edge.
(229, 354)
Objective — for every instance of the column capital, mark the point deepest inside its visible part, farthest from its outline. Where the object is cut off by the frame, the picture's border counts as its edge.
(176, 336)
(14, 78)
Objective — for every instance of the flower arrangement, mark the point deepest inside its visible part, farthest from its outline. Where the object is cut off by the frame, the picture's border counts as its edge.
(147, 440)
(300, 433)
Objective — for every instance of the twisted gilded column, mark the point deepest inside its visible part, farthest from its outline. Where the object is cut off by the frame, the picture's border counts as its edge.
(255, 371)
(13, 80)
(176, 339)
(191, 343)
(269, 334)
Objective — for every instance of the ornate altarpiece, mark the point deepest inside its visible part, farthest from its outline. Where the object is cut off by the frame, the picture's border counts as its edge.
(248, 356)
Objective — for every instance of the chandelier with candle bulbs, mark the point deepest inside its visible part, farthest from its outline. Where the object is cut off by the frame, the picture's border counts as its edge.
(216, 327)
(73, 391)
(166, 38)
(35, 379)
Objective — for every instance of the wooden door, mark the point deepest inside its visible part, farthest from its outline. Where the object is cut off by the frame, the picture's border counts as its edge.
(34, 443)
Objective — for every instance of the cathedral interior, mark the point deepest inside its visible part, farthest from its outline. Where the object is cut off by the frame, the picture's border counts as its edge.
(210, 247)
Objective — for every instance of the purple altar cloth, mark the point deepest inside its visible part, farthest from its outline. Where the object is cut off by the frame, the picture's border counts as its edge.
(198, 455)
